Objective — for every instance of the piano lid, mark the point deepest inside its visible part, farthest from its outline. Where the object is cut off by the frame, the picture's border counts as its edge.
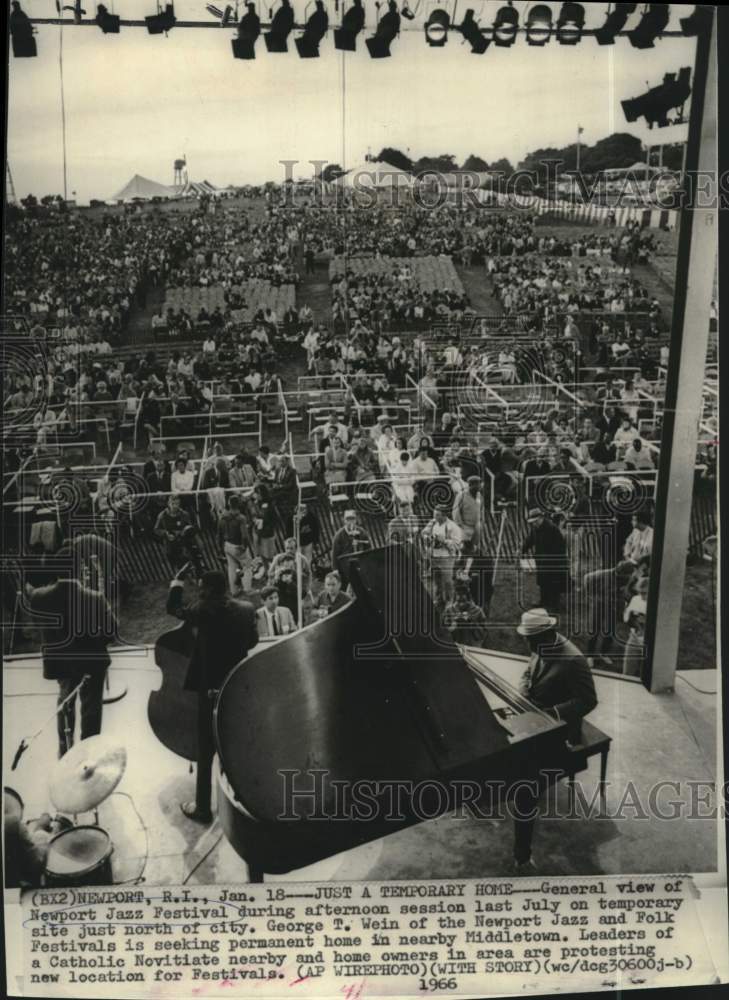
(370, 693)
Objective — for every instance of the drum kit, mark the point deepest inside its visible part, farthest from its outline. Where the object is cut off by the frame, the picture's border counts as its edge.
(79, 854)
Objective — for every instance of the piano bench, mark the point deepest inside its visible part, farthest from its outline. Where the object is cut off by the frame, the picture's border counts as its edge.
(593, 741)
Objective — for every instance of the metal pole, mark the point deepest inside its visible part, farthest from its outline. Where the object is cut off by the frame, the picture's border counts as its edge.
(695, 268)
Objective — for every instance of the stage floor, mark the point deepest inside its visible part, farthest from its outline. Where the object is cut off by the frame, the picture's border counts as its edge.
(656, 738)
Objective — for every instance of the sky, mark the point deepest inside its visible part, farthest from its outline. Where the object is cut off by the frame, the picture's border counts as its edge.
(135, 102)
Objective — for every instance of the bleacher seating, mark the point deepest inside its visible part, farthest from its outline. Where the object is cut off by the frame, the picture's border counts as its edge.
(430, 274)
(257, 294)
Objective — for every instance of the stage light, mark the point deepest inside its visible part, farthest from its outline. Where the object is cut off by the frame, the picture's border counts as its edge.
(407, 13)
(506, 26)
(658, 101)
(388, 28)
(539, 25)
(21, 33)
(652, 23)
(570, 23)
(249, 28)
(281, 25)
(696, 22)
(436, 28)
(473, 34)
(614, 24)
(307, 45)
(162, 21)
(227, 17)
(77, 11)
(345, 37)
(224, 16)
(109, 23)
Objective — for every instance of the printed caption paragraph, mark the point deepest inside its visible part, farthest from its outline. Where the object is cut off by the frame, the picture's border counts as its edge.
(365, 939)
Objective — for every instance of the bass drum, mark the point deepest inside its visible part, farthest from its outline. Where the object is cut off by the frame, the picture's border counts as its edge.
(78, 857)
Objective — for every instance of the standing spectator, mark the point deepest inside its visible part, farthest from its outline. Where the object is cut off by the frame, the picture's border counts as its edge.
(290, 554)
(234, 539)
(349, 539)
(604, 596)
(547, 543)
(308, 526)
(464, 619)
(634, 617)
(403, 529)
(446, 539)
(468, 515)
(332, 597)
(170, 526)
(263, 517)
(335, 462)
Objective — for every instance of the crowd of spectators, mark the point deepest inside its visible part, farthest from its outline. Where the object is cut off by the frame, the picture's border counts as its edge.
(554, 286)
(249, 498)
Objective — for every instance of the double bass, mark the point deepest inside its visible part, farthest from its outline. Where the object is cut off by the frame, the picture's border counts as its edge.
(172, 710)
(314, 734)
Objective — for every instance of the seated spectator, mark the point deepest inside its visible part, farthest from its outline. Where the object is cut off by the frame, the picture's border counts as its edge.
(423, 467)
(402, 480)
(362, 460)
(637, 457)
(336, 461)
(625, 435)
(640, 540)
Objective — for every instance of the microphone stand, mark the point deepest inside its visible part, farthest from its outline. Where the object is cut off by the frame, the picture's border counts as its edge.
(97, 581)
(24, 744)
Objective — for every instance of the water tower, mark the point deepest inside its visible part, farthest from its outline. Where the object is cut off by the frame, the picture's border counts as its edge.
(181, 172)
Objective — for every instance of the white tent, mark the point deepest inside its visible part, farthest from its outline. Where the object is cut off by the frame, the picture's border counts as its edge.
(142, 188)
(368, 175)
(638, 169)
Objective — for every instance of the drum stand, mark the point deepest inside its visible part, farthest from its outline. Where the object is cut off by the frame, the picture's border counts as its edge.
(113, 693)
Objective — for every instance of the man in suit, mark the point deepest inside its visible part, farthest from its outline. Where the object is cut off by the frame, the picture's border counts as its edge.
(557, 680)
(226, 631)
(548, 545)
(76, 624)
(284, 485)
(272, 619)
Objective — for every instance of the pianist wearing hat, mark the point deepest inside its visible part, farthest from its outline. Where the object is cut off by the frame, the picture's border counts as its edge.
(557, 680)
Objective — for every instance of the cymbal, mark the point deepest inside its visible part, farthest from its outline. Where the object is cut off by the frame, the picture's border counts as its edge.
(86, 775)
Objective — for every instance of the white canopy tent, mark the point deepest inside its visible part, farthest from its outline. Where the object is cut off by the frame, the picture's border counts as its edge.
(141, 188)
(368, 175)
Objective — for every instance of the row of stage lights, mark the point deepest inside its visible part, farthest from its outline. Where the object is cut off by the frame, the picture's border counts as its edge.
(538, 29)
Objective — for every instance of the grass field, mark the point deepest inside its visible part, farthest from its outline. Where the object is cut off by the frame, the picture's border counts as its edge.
(143, 618)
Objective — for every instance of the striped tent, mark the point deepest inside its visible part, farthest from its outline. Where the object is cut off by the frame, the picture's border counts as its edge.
(195, 189)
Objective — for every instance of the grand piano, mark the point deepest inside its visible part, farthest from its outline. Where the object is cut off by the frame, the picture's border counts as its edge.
(375, 721)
